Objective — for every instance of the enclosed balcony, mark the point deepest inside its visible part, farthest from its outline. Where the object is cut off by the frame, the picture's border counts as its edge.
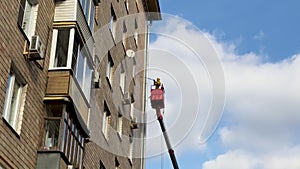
(79, 13)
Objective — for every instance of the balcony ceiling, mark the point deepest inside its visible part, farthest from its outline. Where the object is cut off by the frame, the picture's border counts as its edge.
(154, 9)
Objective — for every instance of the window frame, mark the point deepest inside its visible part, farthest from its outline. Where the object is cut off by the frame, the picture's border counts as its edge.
(120, 125)
(70, 136)
(106, 120)
(113, 22)
(73, 62)
(109, 68)
(122, 79)
(14, 122)
(29, 30)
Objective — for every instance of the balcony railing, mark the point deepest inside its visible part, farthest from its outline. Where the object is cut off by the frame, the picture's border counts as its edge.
(61, 83)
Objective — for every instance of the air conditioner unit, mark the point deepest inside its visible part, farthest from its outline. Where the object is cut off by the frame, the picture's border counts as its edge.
(96, 79)
(33, 2)
(134, 124)
(71, 167)
(36, 48)
(126, 98)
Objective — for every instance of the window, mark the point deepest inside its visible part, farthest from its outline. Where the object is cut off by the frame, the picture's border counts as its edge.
(132, 110)
(68, 52)
(65, 136)
(14, 102)
(122, 79)
(120, 124)
(62, 45)
(106, 121)
(84, 73)
(92, 16)
(27, 17)
(117, 164)
(124, 34)
(112, 23)
(133, 67)
(127, 5)
(109, 67)
(136, 35)
(102, 165)
(88, 8)
(130, 151)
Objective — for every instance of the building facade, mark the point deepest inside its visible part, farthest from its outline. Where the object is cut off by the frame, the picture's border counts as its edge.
(72, 83)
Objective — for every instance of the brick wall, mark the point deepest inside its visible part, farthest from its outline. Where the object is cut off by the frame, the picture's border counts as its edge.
(100, 148)
(20, 151)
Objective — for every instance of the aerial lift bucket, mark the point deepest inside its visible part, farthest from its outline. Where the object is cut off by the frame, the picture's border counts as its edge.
(157, 98)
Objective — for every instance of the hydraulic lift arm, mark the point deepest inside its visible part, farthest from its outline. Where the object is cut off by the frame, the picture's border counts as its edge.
(157, 103)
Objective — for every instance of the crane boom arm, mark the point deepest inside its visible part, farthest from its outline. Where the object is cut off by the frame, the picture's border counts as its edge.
(163, 128)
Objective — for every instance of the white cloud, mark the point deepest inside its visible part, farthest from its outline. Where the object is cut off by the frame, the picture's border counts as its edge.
(232, 160)
(259, 36)
(240, 159)
(262, 101)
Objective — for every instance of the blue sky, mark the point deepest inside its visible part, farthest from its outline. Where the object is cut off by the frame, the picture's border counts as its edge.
(239, 21)
(258, 45)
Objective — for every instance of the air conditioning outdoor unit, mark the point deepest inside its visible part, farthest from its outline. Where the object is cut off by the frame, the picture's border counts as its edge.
(134, 124)
(36, 48)
(96, 79)
(126, 98)
(33, 2)
(71, 167)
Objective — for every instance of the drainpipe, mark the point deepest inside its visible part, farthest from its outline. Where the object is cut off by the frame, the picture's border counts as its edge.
(144, 115)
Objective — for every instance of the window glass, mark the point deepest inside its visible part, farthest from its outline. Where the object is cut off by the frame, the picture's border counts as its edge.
(83, 3)
(52, 134)
(106, 121)
(61, 54)
(26, 19)
(92, 15)
(76, 48)
(112, 22)
(87, 9)
(109, 67)
(87, 81)
(120, 124)
(122, 81)
(80, 68)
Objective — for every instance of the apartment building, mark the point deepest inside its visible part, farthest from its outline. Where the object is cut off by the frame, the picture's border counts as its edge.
(23, 78)
(72, 82)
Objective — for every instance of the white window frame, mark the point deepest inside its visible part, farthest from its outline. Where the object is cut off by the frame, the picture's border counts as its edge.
(133, 67)
(113, 22)
(19, 105)
(130, 151)
(132, 110)
(83, 85)
(120, 125)
(109, 68)
(122, 79)
(91, 15)
(106, 122)
(29, 19)
(127, 5)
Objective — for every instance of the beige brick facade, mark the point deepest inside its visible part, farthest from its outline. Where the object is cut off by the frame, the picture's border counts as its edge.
(20, 150)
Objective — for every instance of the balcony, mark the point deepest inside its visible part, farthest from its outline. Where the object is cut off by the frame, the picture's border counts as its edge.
(70, 13)
(62, 85)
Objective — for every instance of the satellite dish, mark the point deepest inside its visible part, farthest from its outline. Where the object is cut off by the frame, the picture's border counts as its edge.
(130, 53)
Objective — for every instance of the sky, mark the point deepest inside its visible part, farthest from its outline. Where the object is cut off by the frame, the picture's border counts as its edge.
(231, 73)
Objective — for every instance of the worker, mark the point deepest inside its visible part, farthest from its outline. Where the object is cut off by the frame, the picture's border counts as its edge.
(157, 83)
